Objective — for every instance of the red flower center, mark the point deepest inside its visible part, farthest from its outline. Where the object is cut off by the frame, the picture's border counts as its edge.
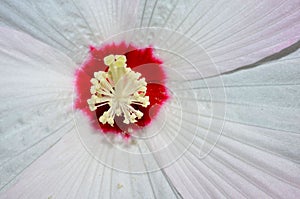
(139, 60)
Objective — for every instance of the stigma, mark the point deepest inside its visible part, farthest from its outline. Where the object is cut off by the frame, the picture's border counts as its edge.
(122, 89)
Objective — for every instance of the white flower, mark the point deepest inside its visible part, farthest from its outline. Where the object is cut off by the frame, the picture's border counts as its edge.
(229, 130)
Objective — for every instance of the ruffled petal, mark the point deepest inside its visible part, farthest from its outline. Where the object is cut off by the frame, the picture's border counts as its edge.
(70, 26)
(255, 153)
(35, 104)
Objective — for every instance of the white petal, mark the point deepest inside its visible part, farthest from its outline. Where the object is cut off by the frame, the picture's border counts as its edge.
(35, 104)
(70, 26)
(244, 163)
(234, 33)
(260, 96)
(257, 153)
(67, 170)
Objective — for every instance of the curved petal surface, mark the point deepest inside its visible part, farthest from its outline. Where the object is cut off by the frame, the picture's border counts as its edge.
(36, 100)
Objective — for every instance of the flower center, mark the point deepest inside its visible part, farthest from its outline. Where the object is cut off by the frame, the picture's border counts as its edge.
(113, 81)
(120, 88)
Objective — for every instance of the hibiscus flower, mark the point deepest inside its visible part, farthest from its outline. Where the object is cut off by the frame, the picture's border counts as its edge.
(149, 99)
